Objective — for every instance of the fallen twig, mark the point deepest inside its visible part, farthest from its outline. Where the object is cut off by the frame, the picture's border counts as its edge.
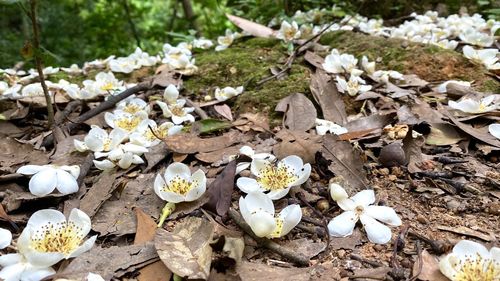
(419, 253)
(361, 259)
(295, 257)
(85, 168)
(203, 115)
(301, 197)
(438, 247)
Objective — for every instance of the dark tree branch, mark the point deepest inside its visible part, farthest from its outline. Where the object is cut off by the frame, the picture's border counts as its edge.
(131, 23)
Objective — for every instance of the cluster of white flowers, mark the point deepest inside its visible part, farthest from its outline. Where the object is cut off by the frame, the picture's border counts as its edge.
(227, 93)
(134, 61)
(132, 132)
(47, 239)
(179, 58)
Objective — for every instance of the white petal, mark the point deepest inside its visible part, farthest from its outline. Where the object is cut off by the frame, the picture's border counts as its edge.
(12, 272)
(134, 148)
(74, 170)
(384, 214)
(292, 162)
(262, 223)
(277, 194)
(247, 185)
(109, 118)
(40, 259)
(94, 277)
(87, 245)
(104, 164)
(259, 201)
(364, 198)
(495, 254)
(343, 224)
(32, 273)
(43, 182)
(10, 259)
(257, 165)
(171, 196)
(30, 169)
(81, 220)
(447, 266)
(80, 145)
(199, 178)
(177, 170)
(376, 231)
(337, 192)
(126, 160)
(494, 130)
(66, 183)
(158, 185)
(303, 175)
(247, 150)
(5, 238)
(470, 249)
(291, 216)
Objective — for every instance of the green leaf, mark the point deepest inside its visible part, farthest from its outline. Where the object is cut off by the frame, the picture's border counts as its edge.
(211, 125)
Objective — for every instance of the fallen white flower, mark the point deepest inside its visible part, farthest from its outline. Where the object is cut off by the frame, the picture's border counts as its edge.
(442, 87)
(46, 178)
(225, 41)
(178, 184)
(99, 140)
(325, 126)
(288, 32)
(468, 105)
(359, 207)
(202, 43)
(494, 130)
(124, 120)
(143, 135)
(354, 86)
(177, 112)
(486, 57)
(5, 238)
(248, 151)
(227, 93)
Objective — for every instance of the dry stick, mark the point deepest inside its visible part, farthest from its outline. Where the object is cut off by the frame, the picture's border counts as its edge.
(437, 246)
(420, 265)
(85, 168)
(70, 107)
(370, 262)
(203, 115)
(38, 62)
(301, 197)
(295, 257)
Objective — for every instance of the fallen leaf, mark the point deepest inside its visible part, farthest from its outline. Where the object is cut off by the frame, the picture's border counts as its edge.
(254, 271)
(13, 154)
(314, 59)
(378, 273)
(413, 151)
(189, 143)
(375, 121)
(306, 247)
(221, 190)
(480, 134)
(146, 227)
(442, 134)
(100, 191)
(412, 80)
(186, 251)
(225, 111)
(297, 143)
(328, 97)
(253, 28)
(185, 208)
(300, 113)
(164, 76)
(430, 268)
(462, 230)
(155, 155)
(252, 121)
(345, 161)
(218, 155)
(156, 271)
(347, 243)
(110, 262)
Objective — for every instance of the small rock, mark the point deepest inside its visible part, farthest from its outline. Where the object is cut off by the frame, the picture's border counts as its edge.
(392, 155)
(378, 247)
(452, 204)
(341, 253)
(323, 205)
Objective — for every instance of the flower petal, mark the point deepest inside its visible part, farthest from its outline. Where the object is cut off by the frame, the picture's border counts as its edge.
(291, 216)
(337, 192)
(470, 249)
(494, 130)
(5, 238)
(343, 224)
(30, 169)
(376, 231)
(276, 194)
(293, 162)
(384, 214)
(258, 165)
(32, 273)
(177, 169)
(258, 201)
(303, 174)
(104, 164)
(200, 181)
(10, 259)
(66, 183)
(158, 185)
(43, 182)
(172, 197)
(364, 197)
(262, 223)
(40, 259)
(12, 272)
(81, 220)
(247, 185)
(447, 266)
(87, 245)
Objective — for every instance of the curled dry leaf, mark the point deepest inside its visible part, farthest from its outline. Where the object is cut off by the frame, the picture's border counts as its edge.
(221, 189)
(328, 97)
(480, 134)
(252, 121)
(413, 151)
(306, 247)
(430, 268)
(189, 143)
(314, 59)
(186, 251)
(442, 134)
(297, 143)
(300, 113)
(253, 28)
(225, 111)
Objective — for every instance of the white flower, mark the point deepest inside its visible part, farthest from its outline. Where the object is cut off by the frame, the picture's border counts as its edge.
(179, 185)
(178, 57)
(171, 94)
(99, 140)
(248, 151)
(46, 71)
(494, 130)
(9, 92)
(73, 90)
(46, 178)
(385, 75)
(106, 82)
(469, 105)
(288, 32)
(475, 37)
(177, 111)
(133, 105)
(275, 179)
(471, 261)
(442, 87)
(5, 238)
(227, 40)
(15, 267)
(202, 43)
(123, 65)
(143, 136)
(35, 90)
(359, 207)
(487, 57)
(227, 93)
(98, 63)
(368, 66)
(446, 44)
(48, 237)
(124, 120)
(73, 69)
(341, 63)
(353, 86)
(257, 210)
(143, 58)
(123, 156)
(94, 277)
(325, 126)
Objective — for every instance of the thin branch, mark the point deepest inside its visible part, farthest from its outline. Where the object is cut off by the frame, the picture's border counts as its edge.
(295, 257)
(131, 23)
(203, 115)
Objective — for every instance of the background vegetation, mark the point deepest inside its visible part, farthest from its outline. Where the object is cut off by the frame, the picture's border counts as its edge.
(74, 31)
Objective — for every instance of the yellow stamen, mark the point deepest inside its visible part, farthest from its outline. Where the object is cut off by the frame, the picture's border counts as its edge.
(177, 111)
(179, 185)
(158, 133)
(478, 269)
(106, 144)
(279, 228)
(132, 108)
(128, 123)
(107, 87)
(275, 178)
(61, 237)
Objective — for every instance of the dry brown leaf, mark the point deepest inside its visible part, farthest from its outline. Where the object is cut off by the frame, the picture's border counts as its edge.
(345, 162)
(300, 113)
(254, 271)
(412, 80)
(218, 155)
(442, 134)
(375, 121)
(306, 247)
(430, 268)
(480, 134)
(110, 262)
(164, 76)
(100, 191)
(221, 190)
(252, 121)
(253, 28)
(225, 111)
(155, 155)
(156, 271)
(189, 143)
(297, 143)
(186, 251)
(413, 151)
(348, 243)
(378, 273)
(13, 154)
(314, 59)
(328, 97)
(146, 227)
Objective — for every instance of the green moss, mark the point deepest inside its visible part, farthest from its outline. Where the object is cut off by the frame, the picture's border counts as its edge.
(246, 63)
(429, 62)
(490, 86)
(76, 79)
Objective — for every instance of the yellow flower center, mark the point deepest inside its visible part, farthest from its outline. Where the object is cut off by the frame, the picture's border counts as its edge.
(290, 33)
(62, 237)
(158, 133)
(275, 178)
(179, 185)
(482, 107)
(478, 270)
(279, 227)
(106, 146)
(128, 123)
(107, 87)
(132, 108)
(227, 40)
(177, 111)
